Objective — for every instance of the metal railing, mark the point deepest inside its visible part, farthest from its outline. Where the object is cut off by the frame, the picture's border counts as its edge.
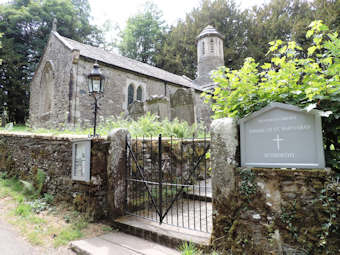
(168, 181)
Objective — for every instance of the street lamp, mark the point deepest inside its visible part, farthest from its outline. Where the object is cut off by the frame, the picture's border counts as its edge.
(96, 89)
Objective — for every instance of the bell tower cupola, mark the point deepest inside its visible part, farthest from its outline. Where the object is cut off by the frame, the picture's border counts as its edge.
(210, 54)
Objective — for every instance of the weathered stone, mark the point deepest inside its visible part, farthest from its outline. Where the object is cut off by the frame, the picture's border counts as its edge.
(182, 106)
(224, 143)
(159, 106)
(116, 169)
(210, 54)
(136, 109)
(23, 155)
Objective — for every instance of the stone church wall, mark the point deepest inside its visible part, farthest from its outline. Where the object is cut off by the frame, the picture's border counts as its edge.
(59, 92)
(114, 101)
(60, 59)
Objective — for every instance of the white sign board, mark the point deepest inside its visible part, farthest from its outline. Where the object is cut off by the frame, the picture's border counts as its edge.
(81, 156)
(283, 136)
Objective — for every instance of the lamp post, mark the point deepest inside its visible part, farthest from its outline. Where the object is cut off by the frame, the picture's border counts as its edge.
(96, 89)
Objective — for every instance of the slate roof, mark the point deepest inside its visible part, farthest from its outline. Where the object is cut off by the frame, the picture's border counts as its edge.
(125, 63)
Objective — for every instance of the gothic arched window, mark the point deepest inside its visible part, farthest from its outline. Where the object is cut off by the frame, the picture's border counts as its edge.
(203, 49)
(46, 89)
(140, 93)
(211, 45)
(131, 92)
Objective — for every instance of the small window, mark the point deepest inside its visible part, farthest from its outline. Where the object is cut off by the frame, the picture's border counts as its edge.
(140, 93)
(203, 49)
(211, 45)
(130, 94)
(221, 48)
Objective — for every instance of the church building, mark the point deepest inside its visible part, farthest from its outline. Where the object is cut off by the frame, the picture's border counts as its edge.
(59, 89)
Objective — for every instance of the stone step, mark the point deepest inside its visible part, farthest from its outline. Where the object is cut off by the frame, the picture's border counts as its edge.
(167, 235)
(119, 243)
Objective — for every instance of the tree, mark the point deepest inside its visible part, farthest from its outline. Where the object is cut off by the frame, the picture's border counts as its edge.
(143, 35)
(25, 25)
(309, 80)
(178, 54)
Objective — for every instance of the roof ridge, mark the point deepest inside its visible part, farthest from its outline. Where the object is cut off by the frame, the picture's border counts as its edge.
(184, 81)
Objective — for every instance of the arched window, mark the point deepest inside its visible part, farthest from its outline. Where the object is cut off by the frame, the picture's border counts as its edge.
(140, 93)
(203, 49)
(46, 89)
(211, 45)
(131, 92)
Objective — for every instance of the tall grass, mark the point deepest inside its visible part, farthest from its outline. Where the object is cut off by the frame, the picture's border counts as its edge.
(147, 125)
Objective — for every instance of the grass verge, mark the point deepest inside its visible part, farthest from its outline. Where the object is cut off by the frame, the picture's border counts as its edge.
(39, 221)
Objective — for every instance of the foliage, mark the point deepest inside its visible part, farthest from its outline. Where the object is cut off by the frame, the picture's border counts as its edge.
(25, 24)
(150, 125)
(248, 186)
(307, 79)
(143, 34)
(40, 180)
(147, 125)
(41, 204)
(178, 53)
(328, 199)
(34, 227)
(67, 235)
(246, 31)
(28, 188)
(189, 249)
(0, 48)
(288, 217)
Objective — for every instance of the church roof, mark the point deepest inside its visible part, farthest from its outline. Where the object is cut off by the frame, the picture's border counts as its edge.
(125, 63)
(209, 31)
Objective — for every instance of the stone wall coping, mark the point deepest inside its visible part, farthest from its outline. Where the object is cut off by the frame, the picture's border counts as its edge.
(292, 172)
(59, 137)
(72, 137)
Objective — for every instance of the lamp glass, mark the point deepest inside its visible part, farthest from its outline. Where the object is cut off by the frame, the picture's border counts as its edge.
(90, 86)
(96, 85)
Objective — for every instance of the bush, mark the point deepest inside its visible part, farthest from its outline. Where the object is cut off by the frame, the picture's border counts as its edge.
(310, 80)
(150, 125)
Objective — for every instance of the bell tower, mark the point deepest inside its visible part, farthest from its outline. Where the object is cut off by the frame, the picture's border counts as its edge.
(210, 54)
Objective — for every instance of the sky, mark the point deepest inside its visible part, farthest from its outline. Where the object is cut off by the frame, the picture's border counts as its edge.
(118, 11)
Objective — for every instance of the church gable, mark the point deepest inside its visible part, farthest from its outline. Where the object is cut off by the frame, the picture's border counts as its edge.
(49, 86)
(59, 89)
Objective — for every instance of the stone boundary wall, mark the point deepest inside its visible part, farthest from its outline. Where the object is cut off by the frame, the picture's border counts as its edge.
(270, 211)
(23, 154)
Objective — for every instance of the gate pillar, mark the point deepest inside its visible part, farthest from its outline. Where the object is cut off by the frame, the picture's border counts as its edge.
(116, 169)
(224, 144)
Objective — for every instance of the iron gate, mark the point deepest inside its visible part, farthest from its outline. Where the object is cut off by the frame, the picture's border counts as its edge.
(168, 181)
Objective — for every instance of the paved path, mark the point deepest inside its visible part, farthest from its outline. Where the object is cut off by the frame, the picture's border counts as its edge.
(110, 244)
(12, 244)
(121, 244)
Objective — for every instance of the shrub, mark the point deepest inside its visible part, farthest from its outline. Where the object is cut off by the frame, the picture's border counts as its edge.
(307, 79)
